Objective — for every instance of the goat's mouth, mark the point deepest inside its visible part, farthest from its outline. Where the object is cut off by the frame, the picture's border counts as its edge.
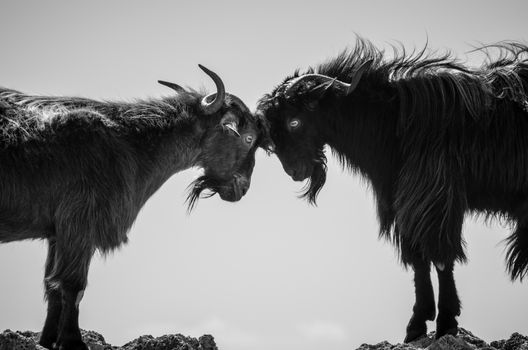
(235, 189)
(204, 187)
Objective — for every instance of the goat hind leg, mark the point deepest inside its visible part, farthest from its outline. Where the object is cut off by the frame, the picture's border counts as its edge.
(424, 308)
(448, 302)
(53, 296)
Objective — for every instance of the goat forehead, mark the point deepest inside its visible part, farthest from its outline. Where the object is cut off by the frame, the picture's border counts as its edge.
(252, 126)
(278, 115)
(235, 111)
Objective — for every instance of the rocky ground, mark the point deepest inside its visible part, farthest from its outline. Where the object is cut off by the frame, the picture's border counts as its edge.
(465, 340)
(10, 340)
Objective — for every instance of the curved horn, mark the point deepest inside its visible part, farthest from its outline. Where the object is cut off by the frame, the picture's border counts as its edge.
(173, 86)
(216, 104)
(319, 79)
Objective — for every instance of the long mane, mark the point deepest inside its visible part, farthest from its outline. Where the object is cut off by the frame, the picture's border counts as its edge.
(430, 83)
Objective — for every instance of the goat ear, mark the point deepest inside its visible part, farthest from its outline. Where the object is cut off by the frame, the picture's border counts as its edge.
(229, 123)
(231, 126)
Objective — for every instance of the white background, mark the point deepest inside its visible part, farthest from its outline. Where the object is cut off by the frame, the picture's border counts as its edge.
(269, 272)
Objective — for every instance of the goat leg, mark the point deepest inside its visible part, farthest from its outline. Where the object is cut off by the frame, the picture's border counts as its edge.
(53, 296)
(424, 308)
(448, 302)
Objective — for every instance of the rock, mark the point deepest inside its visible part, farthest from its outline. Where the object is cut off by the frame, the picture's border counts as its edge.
(471, 339)
(171, 342)
(451, 342)
(10, 340)
(465, 340)
(516, 342)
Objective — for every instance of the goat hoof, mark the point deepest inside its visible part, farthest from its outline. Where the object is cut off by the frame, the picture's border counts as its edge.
(73, 345)
(415, 329)
(48, 344)
(440, 333)
(414, 334)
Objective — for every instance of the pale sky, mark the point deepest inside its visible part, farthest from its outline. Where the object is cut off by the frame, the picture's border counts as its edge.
(270, 271)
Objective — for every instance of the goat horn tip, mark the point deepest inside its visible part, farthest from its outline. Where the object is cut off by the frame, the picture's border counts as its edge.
(204, 68)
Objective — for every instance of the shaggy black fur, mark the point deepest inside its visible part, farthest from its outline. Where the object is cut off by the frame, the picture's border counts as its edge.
(435, 138)
(76, 172)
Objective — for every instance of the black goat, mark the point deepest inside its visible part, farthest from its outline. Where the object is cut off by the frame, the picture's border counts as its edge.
(76, 172)
(436, 140)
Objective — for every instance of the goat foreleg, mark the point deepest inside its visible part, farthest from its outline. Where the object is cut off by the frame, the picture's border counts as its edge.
(424, 307)
(448, 302)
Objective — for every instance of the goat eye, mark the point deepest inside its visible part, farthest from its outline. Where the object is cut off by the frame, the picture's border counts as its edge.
(249, 138)
(294, 123)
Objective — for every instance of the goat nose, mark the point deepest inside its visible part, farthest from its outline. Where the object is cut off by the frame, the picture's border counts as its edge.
(245, 188)
(243, 184)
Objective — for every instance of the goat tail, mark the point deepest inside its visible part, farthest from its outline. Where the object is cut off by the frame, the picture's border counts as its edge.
(517, 253)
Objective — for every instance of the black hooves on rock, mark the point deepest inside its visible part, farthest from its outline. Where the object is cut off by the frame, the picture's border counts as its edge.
(452, 331)
(73, 345)
(416, 329)
(413, 335)
(416, 334)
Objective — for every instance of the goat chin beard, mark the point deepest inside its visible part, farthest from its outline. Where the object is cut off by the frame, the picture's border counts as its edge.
(197, 187)
(316, 180)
